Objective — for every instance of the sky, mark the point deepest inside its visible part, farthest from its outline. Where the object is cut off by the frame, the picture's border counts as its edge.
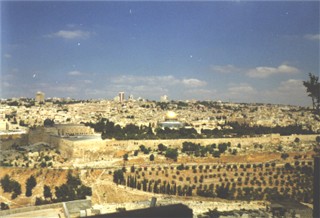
(238, 51)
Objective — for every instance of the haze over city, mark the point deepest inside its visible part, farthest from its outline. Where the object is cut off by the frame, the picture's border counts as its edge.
(230, 51)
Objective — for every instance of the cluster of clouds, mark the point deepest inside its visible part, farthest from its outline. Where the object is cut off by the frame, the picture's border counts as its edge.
(257, 72)
(82, 85)
(70, 34)
(289, 91)
(315, 37)
(166, 80)
(263, 72)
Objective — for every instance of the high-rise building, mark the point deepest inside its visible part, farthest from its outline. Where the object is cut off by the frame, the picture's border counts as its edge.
(39, 97)
(121, 96)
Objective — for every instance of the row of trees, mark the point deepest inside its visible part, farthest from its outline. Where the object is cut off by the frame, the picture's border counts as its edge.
(109, 130)
(224, 190)
(171, 153)
(11, 186)
(199, 150)
(73, 189)
(242, 130)
(231, 181)
(155, 186)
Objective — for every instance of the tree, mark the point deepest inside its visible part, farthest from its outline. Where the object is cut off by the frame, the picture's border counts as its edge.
(284, 156)
(30, 184)
(47, 192)
(10, 185)
(48, 123)
(125, 157)
(151, 157)
(136, 152)
(72, 190)
(16, 188)
(118, 177)
(313, 90)
(4, 206)
(5, 183)
(172, 153)
(83, 191)
(132, 169)
(161, 147)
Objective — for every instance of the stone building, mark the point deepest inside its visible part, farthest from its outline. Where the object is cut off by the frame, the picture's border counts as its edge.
(71, 130)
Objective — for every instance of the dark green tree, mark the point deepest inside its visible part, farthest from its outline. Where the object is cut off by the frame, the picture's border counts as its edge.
(313, 90)
(161, 147)
(10, 185)
(172, 153)
(72, 180)
(5, 183)
(118, 177)
(83, 191)
(125, 157)
(151, 157)
(47, 192)
(4, 206)
(16, 188)
(30, 184)
(48, 122)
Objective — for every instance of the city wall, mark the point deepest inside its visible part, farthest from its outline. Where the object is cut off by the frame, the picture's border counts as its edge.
(74, 207)
(29, 209)
(272, 139)
(78, 148)
(84, 148)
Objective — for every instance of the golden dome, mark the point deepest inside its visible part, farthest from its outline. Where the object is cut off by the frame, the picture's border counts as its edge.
(171, 115)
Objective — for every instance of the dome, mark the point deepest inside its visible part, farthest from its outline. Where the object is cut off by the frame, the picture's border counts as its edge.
(171, 115)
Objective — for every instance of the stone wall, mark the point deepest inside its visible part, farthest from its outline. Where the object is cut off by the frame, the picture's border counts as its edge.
(29, 209)
(273, 139)
(83, 148)
(73, 207)
(39, 134)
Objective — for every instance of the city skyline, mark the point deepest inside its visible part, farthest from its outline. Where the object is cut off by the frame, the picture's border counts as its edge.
(238, 51)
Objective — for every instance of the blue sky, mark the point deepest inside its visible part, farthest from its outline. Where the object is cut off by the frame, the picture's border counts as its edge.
(231, 51)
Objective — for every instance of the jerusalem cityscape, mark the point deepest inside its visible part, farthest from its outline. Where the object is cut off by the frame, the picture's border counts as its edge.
(160, 109)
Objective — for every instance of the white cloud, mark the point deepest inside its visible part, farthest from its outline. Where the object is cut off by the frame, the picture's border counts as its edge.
(71, 34)
(290, 91)
(153, 87)
(263, 72)
(225, 68)
(315, 37)
(86, 81)
(7, 56)
(65, 89)
(74, 73)
(240, 89)
(149, 80)
(238, 92)
(6, 84)
(193, 82)
(291, 84)
(167, 80)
